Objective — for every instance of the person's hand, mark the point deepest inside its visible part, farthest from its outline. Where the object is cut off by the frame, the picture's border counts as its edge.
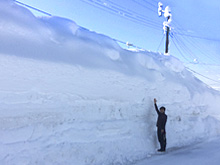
(162, 131)
(155, 101)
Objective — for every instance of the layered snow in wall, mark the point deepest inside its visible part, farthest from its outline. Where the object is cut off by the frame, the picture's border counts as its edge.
(72, 96)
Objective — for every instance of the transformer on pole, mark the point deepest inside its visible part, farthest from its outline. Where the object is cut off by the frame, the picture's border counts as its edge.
(166, 24)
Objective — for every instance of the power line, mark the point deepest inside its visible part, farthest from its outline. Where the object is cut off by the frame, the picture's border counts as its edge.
(202, 64)
(46, 13)
(193, 36)
(183, 32)
(153, 5)
(138, 15)
(126, 43)
(181, 47)
(205, 64)
(41, 11)
(145, 6)
(180, 31)
(116, 11)
(184, 47)
(199, 48)
(129, 15)
(179, 50)
(193, 70)
(160, 43)
(182, 43)
(202, 75)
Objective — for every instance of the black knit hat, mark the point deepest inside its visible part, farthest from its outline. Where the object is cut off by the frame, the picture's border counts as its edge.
(163, 108)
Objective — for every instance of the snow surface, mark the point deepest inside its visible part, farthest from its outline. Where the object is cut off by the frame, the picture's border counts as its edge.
(201, 153)
(72, 96)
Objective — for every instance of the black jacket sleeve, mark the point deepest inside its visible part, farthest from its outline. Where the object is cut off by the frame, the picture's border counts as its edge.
(156, 108)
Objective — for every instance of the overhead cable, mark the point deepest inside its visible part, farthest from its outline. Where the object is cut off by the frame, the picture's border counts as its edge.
(41, 11)
(202, 75)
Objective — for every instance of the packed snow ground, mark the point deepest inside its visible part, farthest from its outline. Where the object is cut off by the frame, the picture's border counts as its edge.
(202, 154)
(72, 96)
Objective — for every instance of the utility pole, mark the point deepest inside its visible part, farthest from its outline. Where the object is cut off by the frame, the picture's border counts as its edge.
(166, 24)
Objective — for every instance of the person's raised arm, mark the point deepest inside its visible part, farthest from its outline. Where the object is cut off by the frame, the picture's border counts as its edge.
(155, 105)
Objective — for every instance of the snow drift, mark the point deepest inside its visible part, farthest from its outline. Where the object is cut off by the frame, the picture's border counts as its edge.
(72, 96)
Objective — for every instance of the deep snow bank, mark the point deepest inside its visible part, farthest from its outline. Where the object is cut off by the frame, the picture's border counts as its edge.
(71, 96)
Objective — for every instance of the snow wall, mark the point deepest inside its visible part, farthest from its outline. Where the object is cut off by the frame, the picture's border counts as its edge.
(72, 96)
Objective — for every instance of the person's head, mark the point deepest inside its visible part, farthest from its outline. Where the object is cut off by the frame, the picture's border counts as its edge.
(162, 109)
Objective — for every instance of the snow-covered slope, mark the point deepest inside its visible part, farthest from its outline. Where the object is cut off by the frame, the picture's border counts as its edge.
(72, 96)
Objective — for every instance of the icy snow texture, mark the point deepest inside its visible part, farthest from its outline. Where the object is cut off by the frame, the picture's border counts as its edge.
(72, 96)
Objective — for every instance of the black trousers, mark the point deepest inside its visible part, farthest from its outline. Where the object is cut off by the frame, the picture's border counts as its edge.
(162, 139)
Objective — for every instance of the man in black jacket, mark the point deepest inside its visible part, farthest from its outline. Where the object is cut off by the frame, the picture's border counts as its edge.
(161, 123)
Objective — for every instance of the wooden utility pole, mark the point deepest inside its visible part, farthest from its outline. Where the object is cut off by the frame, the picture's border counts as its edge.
(166, 26)
(167, 40)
